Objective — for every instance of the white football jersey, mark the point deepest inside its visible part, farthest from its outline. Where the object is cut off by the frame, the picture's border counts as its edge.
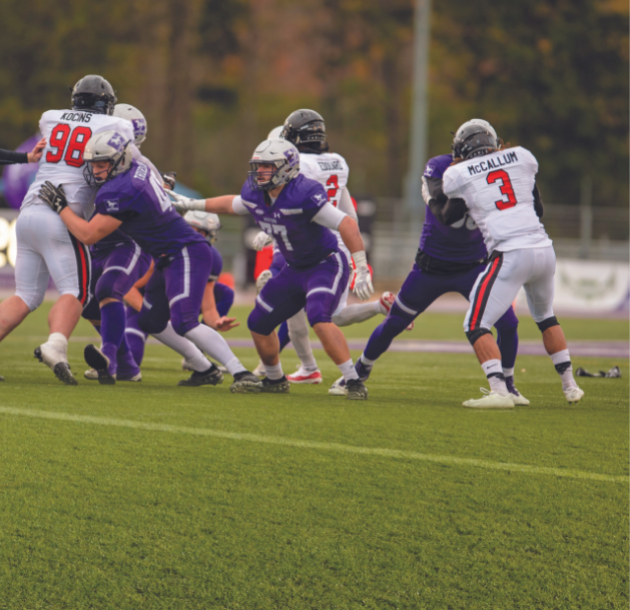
(331, 171)
(67, 132)
(498, 191)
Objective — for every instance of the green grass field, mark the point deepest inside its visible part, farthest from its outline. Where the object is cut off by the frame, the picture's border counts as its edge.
(151, 496)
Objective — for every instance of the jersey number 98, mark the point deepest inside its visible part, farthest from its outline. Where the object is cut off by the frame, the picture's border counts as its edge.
(72, 141)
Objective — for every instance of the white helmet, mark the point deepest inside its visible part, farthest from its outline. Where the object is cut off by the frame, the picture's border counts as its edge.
(204, 221)
(131, 113)
(107, 146)
(279, 153)
(274, 134)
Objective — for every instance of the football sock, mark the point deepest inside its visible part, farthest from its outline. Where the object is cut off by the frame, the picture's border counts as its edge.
(112, 330)
(351, 314)
(136, 340)
(274, 371)
(507, 338)
(223, 297)
(298, 332)
(348, 371)
(283, 335)
(494, 373)
(126, 362)
(211, 342)
(59, 342)
(562, 362)
(508, 372)
(197, 361)
(367, 361)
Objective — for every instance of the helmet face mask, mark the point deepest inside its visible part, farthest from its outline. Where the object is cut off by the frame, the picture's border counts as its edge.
(94, 94)
(106, 146)
(473, 139)
(283, 159)
(131, 113)
(306, 130)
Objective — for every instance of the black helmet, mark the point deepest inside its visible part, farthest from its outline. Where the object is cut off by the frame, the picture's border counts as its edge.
(306, 129)
(95, 94)
(473, 139)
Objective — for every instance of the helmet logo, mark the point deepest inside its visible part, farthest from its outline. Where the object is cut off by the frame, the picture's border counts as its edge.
(139, 127)
(116, 142)
(292, 158)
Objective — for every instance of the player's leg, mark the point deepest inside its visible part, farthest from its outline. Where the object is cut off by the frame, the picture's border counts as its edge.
(136, 338)
(507, 340)
(224, 298)
(360, 312)
(491, 296)
(539, 291)
(308, 371)
(185, 279)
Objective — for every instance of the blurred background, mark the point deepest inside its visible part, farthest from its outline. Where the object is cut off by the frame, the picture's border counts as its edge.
(214, 76)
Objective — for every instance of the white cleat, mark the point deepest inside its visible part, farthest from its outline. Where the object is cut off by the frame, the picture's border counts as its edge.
(260, 370)
(519, 400)
(387, 302)
(490, 400)
(57, 361)
(91, 374)
(304, 376)
(573, 395)
(338, 388)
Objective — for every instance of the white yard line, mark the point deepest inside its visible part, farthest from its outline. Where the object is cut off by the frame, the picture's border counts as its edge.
(301, 444)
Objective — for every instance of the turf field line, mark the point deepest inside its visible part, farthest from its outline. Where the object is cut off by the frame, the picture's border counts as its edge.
(302, 444)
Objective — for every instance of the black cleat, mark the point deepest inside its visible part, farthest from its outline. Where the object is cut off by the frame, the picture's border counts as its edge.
(276, 386)
(61, 370)
(246, 383)
(100, 363)
(213, 376)
(356, 390)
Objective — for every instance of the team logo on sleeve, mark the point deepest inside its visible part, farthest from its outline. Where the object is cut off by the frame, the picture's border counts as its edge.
(111, 205)
(318, 198)
(116, 142)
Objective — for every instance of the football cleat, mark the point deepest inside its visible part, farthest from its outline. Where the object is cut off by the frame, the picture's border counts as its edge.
(276, 386)
(136, 377)
(356, 390)
(91, 374)
(338, 388)
(573, 395)
(517, 398)
(363, 370)
(303, 376)
(212, 376)
(56, 360)
(187, 367)
(262, 279)
(100, 362)
(387, 301)
(490, 400)
(260, 371)
(246, 383)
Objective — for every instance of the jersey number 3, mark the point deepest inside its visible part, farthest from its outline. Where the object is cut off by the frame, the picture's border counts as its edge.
(72, 143)
(505, 187)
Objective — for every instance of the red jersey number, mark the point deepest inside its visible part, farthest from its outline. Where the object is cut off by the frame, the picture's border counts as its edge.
(333, 190)
(505, 188)
(61, 139)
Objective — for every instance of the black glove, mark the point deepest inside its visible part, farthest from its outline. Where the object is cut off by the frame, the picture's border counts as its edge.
(53, 196)
(170, 179)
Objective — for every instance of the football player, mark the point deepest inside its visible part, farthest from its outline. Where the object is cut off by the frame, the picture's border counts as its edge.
(132, 198)
(45, 248)
(496, 187)
(296, 211)
(449, 259)
(8, 157)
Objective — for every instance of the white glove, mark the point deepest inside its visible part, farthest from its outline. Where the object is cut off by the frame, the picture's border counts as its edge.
(185, 204)
(261, 241)
(363, 282)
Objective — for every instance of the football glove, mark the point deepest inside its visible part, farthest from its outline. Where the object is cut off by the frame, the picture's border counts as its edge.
(170, 179)
(54, 196)
(363, 282)
(261, 241)
(185, 204)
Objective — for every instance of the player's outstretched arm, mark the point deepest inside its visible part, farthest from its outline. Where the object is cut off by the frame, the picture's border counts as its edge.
(214, 205)
(38, 150)
(89, 232)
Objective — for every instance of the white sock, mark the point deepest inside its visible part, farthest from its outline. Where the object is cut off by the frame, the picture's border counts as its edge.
(298, 333)
(562, 361)
(348, 371)
(351, 314)
(211, 342)
(367, 361)
(274, 371)
(197, 361)
(494, 373)
(59, 342)
(508, 372)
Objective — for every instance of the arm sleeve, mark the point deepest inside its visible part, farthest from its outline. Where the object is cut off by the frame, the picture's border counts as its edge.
(538, 204)
(346, 205)
(329, 216)
(238, 207)
(7, 157)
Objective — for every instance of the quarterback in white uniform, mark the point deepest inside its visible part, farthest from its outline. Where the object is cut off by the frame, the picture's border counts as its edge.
(307, 131)
(497, 187)
(45, 248)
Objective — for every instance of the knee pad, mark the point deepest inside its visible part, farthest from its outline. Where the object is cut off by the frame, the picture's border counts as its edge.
(107, 288)
(474, 335)
(548, 323)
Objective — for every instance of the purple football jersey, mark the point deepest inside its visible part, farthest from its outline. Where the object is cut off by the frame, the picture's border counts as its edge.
(217, 265)
(288, 220)
(138, 199)
(110, 242)
(461, 242)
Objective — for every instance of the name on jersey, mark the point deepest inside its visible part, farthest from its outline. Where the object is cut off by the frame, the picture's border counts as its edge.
(141, 172)
(488, 164)
(327, 166)
(81, 117)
